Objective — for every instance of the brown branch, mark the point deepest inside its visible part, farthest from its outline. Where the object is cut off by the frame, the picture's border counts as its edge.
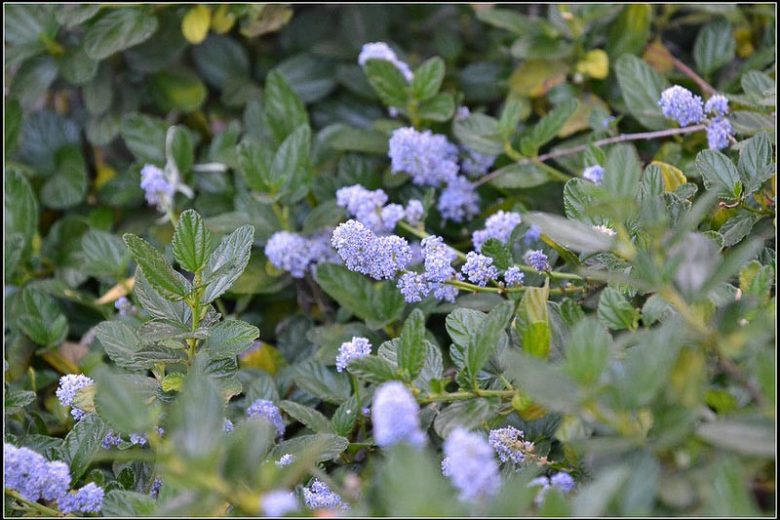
(685, 69)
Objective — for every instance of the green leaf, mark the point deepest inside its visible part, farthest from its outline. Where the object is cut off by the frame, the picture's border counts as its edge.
(388, 82)
(178, 88)
(628, 34)
(120, 343)
(483, 345)
(219, 59)
(33, 79)
(411, 351)
(158, 306)
(69, 184)
(376, 303)
(284, 110)
(594, 498)
(41, 319)
(343, 420)
(729, 494)
(755, 162)
(119, 502)
(227, 262)
(719, 174)
(73, 15)
(439, 108)
(246, 445)
(314, 448)
(617, 312)
(587, 351)
(348, 139)
(160, 275)
(499, 252)
(310, 76)
(427, 79)
(118, 30)
(13, 124)
(641, 87)
(714, 47)
(571, 234)
(468, 414)
(373, 369)
(82, 443)
(197, 417)
(230, 338)
(622, 171)
(124, 401)
(291, 169)
(145, 137)
(15, 400)
(104, 253)
(20, 207)
(547, 127)
(479, 133)
(545, 383)
(535, 326)
(191, 242)
(515, 109)
(316, 379)
(748, 436)
(309, 417)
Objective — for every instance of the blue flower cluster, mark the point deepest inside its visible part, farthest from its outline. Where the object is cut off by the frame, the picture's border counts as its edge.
(499, 226)
(285, 460)
(111, 440)
(279, 503)
(228, 426)
(382, 51)
(34, 478)
(717, 106)
(124, 306)
(369, 208)
(319, 496)
(437, 259)
(682, 105)
(459, 201)
(509, 443)
(561, 480)
(719, 133)
(514, 276)
(594, 174)
(352, 350)
(430, 159)
(159, 191)
(533, 234)
(269, 411)
(470, 465)
(379, 257)
(68, 388)
(537, 259)
(297, 254)
(479, 269)
(394, 416)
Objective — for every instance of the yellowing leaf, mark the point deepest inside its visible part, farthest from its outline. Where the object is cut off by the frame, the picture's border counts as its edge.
(222, 20)
(535, 78)
(104, 174)
(117, 291)
(580, 119)
(659, 57)
(595, 64)
(195, 25)
(172, 382)
(673, 177)
(265, 357)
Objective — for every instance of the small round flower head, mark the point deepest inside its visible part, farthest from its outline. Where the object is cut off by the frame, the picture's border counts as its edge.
(138, 439)
(382, 51)
(57, 480)
(717, 105)
(414, 212)
(269, 411)
(352, 350)
(228, 426)
(124, 306)
(355, 245)
(279, 503)
(438, 259)
(718, 133)
(682, 105)
(67, 390)
(111, 440)
(391, 254)
(88, 499)
(413, 287)
(366, 206)
(532, 235)
(23, 471)
(458, 201)
(594, 174)
(536, 259)
(430, 159)
(444, 292)
(604, 229)
(389, 216)
(562, 481)
(514, 276)
(285, 460)
(477, 164)
(319, 496)
(471, 465)
(158, 189)
(394, 416)
(289, 252)
(154, 490)
(479, 269)
(462, 113)
(499, 226)
(509, 444)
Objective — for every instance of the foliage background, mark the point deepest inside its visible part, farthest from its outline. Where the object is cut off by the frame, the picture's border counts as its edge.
(92, 90)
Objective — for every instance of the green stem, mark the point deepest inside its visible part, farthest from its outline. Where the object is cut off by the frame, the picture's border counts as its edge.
(196, 310)
(282, 215)
(466, 394)
(48, 511)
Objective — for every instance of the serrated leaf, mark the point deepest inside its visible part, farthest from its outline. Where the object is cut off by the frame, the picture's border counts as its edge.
(41, 319)
(120, 342)
(755, 162)
(160, 275)
(622, 171)
(283, 108)
(310, 417)
(227, 262)
(68, 186)
(230, 338)
(547, 127)
(197, 416)
(82, 443)
(290, 170)
(484, 344)
(714, 46)
(499, 252)
(479, 133)
(343, 420)
(411, 351)
(719, 174)
(191, 242)
(119, 502)
(387, 81)
(440, 108)
(145, 137)
(641, 87)
(373, 369)
(318, 380)
(314, 448)
(427, 79)
(124, 401)
(118, 30)
(104, 253)
(587, 351)
(616, 312)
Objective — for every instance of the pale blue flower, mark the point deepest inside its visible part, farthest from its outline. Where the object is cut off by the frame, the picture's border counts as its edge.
(458, 201)
(430, 159)
(68, 388)
(394, 416)
(352, 350)
(499, 226)
(471, 465)
(682, 105)
(719, 132)
(269, 411)
(479, 269)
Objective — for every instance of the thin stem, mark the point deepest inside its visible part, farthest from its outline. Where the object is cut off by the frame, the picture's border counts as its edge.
(48, 511)
(685, 69)
(467, 394)
(641, 136)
